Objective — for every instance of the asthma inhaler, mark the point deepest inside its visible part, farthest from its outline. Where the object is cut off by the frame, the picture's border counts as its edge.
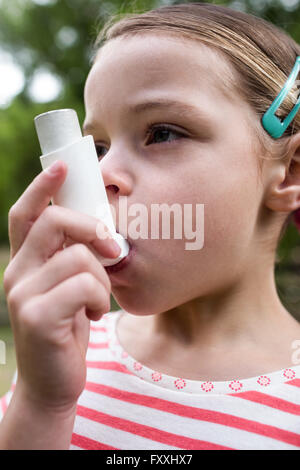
(83, 190)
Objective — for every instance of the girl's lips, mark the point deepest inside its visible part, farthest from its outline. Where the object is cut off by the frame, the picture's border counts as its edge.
(121, 264)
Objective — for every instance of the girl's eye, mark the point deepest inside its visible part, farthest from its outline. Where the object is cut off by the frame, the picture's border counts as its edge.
(159, 133)
(99, 149)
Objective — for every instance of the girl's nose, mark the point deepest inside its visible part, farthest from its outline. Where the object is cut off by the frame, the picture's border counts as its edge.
(112, 187)
(116, 173)
(116, 180)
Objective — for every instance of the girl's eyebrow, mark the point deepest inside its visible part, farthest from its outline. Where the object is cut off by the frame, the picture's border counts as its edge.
(181, 108)
(163, 103)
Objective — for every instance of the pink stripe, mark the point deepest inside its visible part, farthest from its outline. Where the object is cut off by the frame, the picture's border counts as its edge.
(197, 413)
(268, 400)
(3, 404)
(148, 432)
(89, 444)
(295, 382)
(98, 328)
(108, 365)
(98, 345)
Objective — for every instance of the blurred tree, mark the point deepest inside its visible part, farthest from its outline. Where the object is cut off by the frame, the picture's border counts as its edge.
(57, 36)
(54, 36)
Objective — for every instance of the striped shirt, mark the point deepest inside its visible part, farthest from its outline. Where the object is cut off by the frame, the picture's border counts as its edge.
(126, 405)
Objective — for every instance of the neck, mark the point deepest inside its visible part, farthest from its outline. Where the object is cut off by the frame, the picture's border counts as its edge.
(242, 331)
(244, 312)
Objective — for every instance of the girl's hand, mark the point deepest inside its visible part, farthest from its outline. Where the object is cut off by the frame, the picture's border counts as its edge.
(53, 291)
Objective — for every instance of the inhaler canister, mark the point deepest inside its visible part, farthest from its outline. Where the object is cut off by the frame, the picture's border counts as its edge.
(83, 190)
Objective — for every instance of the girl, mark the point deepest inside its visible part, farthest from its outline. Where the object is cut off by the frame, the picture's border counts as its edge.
(201, 354)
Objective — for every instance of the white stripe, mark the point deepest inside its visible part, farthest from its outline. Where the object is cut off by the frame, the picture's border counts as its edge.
(96, 355)
(115, 437)
(221, 403)
(98, 336)
(182, 426)
(285, 392)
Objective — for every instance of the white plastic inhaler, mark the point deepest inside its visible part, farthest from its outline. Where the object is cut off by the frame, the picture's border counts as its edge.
(83, 190)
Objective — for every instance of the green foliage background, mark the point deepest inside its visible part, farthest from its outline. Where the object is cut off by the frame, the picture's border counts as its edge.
(29, 29)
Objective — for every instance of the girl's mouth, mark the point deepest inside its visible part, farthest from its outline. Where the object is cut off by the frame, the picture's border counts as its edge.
(121, 265)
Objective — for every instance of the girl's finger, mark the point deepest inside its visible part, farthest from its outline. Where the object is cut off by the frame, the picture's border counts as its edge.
(32, 202)
(63, 265)
(48, 234)
(65, 299)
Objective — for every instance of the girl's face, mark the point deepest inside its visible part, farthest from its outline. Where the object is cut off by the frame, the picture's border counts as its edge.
(205, 157)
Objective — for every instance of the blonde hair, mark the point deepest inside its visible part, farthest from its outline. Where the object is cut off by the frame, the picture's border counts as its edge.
(262, 56)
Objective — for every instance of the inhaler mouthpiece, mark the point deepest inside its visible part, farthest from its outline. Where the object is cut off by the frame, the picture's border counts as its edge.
(83, 190)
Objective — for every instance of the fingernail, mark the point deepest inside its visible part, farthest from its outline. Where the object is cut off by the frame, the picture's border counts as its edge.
(54, 169)
(115, 248)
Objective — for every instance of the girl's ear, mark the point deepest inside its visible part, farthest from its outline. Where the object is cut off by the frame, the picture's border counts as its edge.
(283, 194)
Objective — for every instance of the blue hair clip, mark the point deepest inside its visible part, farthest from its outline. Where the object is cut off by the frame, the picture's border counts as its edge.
(271, 123)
